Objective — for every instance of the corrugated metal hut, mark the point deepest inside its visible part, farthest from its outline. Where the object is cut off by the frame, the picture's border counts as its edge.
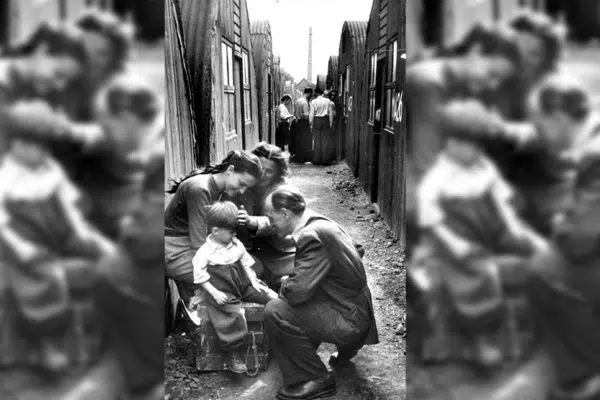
(213, 37)
(381, 167)
(277, 84)
(351, 71)
(19, 18)
(321, 81)
(332, 73)
(181, 148)
(262, 51)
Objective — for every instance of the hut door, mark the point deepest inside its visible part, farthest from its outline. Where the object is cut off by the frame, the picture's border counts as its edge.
(377, 137)
(4, 22)
(238, 72)
(270, 107)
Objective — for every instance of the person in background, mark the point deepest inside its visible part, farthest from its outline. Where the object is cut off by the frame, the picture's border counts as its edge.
(471, 232)
(224, 270)
(282, 134)
(301, 138)
(185, 215)
(325, 299)
(321, 124)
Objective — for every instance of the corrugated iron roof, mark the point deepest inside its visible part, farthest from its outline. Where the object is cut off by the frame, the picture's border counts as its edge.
(357, 29)
(260, 28)
(333, 63)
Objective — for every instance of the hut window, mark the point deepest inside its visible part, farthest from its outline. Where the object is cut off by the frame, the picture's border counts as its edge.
(228, 87)
(347, 100)
(372, 86)
(247, 96)
(390, 84)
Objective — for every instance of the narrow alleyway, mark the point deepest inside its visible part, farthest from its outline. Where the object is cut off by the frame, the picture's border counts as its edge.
(378, 371)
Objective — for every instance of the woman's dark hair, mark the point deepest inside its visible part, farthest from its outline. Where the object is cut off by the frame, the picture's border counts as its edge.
(118, 33)
(60, 40)
(242, 161)
(275, 154)
(222, 214)
(286, 97)
(558, 94)
(541, 25)
(288, 198)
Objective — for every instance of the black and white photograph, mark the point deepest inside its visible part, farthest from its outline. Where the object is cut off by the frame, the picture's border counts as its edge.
(81, 199)
(284, 206)
(502, 200)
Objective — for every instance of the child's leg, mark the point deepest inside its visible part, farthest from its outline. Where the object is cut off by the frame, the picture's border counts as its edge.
(228, 319)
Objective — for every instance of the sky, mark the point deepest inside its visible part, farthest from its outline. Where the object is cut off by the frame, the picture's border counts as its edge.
(290, 20)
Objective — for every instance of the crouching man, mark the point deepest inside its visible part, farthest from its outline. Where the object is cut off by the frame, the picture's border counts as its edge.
(325, 299)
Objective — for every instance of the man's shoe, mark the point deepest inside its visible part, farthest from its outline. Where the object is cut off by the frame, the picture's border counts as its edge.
(488, 354)
(343, 356)
(588, 390)
(235, 363)
(315, 389)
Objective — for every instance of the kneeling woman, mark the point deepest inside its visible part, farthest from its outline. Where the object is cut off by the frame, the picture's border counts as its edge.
(185, 216)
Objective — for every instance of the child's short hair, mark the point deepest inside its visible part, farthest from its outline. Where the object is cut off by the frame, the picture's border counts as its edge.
(222, 214)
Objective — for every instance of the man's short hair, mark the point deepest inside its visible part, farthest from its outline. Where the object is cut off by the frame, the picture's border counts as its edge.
(319, 91)
(288, 197)
(286, 97)
(308, 91)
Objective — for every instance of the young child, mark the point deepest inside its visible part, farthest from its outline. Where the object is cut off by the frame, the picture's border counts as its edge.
(44, 238)
(224, 270)
(472, 230)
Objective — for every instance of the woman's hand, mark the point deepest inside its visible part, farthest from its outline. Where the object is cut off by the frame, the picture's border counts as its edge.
(243, 217)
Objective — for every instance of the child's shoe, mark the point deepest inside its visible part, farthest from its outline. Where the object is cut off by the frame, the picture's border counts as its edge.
(235, 363)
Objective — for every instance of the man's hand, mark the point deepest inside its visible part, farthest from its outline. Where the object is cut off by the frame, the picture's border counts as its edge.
(220, 297)
(243, 217)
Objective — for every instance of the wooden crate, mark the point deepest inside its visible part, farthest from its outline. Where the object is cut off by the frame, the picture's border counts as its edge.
(208, 354)
(82, 342)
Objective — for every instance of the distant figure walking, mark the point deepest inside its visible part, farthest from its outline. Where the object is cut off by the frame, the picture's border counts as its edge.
(284, 120)
(321, 124)
(301, 140)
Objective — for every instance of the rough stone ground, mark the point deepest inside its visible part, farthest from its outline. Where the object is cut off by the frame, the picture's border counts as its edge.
(531, 379)
(378, 371)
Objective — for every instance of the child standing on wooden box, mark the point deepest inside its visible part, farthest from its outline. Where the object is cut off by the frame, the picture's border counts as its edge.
(223, 267)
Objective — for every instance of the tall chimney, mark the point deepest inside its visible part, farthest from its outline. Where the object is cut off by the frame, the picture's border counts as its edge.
(309, 70)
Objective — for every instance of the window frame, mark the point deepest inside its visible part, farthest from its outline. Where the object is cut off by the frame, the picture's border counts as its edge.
(372, 95)
(228, 78)
(389, 95)
(246, 86)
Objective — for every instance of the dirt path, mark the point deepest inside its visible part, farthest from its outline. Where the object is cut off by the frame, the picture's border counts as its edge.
(378, 371)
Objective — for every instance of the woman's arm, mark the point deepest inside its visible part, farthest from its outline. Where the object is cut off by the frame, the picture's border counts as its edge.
(197, 198)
